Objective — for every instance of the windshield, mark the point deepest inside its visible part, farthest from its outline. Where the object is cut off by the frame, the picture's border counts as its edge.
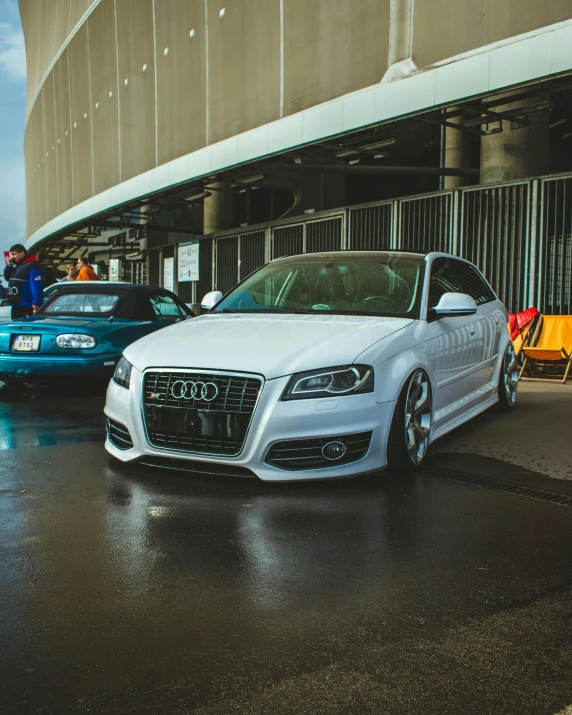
(385, 285)
(82, 303)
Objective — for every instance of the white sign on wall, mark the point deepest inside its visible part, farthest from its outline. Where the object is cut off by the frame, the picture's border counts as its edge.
(114, 269)
(169, 273)
(189, 261)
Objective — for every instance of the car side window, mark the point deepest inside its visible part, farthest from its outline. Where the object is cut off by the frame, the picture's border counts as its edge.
(165, 308)
(443, 280)
(472, 283)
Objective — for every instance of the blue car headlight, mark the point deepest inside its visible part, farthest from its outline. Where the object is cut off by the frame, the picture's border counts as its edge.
(330, 382)
(122, 374)
(76, 340)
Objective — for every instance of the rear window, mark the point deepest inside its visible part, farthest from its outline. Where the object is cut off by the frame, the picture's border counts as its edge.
(82, 303)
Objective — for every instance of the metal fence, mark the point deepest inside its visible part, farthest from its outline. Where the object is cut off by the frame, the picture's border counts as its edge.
(555, 246)
(494, 234)
(519, 234)
(371, 227)
(425, 223)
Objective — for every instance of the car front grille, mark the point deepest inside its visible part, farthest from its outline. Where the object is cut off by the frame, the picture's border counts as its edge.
(307, 453)
(119, 435)
(199, 412)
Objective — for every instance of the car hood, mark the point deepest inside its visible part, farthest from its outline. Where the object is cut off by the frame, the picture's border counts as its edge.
(268, 345)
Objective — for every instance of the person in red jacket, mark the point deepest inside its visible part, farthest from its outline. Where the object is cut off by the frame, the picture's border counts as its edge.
(86, 272)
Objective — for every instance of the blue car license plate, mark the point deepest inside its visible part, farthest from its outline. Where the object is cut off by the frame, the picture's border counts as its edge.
(26, 343)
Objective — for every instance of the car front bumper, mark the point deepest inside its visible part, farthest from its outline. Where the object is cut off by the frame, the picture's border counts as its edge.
(41, 367)
(273, 421)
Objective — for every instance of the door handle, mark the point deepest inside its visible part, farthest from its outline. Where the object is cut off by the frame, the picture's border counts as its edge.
(472, 330)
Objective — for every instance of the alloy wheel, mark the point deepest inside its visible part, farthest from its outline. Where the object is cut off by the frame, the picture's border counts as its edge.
(418, 406)
(510, 375)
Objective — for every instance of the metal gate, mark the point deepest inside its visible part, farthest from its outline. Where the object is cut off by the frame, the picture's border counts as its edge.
(371, 227)
(251, 252)
(227, 267)
(425, 223)
(494, 235)
(288, 240)
(519, 234)
(138, 272)
(555, 246)
(237, 256)
(325, 235)
(308, 236)
(205, 282)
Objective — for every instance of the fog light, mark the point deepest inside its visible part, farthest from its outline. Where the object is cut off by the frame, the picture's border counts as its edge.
(334, 451)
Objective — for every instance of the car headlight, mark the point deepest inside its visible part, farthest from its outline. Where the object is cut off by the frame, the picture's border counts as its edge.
(122, 374)
(76, 340)
(330, 382)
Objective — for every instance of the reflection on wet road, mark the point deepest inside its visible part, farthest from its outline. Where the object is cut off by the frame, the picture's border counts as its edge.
(129, 589)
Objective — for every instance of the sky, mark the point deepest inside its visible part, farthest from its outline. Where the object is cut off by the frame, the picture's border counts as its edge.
(12, 122)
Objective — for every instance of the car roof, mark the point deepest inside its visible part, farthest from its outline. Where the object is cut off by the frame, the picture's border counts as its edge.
(344, 255)
(107, 286)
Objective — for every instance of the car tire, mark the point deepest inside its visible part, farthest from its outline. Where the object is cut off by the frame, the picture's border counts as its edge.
(411, 425)
(508, 381)
(8, 390)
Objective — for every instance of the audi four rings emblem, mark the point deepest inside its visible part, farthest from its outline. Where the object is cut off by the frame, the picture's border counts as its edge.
(189, 390)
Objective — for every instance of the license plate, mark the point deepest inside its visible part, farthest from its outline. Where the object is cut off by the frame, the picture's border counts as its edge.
(26, 343)
(179, 421)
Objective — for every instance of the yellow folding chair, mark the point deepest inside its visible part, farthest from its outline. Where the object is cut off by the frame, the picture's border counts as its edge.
(550, 345)
(522, 339)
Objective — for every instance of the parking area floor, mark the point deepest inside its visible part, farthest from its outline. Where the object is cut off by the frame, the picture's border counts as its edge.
(134, 590)
(537, 437)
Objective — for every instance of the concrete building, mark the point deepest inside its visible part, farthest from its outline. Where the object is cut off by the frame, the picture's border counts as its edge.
(264, 127)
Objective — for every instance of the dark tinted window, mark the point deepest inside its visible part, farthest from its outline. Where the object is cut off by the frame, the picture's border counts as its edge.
(472, 283)
(443, 280)
(166, 308)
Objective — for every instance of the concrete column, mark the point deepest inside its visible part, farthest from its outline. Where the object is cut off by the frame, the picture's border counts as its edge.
(218, 209)
(517, 153)
(400, 54)
(457, 149)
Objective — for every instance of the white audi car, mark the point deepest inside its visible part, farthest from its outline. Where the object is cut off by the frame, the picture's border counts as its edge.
(317, 366)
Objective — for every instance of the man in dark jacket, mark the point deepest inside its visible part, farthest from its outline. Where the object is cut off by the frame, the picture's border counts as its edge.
(48, 273)
(25, 282)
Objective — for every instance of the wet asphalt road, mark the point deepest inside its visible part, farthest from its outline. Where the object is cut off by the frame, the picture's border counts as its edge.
(132, 590)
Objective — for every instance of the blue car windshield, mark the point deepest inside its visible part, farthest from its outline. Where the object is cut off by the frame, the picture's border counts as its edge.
(387, 285)
(74, 303)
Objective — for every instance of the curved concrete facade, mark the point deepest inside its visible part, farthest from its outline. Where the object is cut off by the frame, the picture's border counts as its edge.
(118, 89)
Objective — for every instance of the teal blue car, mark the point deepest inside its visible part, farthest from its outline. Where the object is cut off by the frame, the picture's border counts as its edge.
(82, 330)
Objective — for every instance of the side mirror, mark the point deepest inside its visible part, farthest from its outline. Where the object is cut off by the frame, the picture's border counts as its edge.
(455, 304)
(211, 299)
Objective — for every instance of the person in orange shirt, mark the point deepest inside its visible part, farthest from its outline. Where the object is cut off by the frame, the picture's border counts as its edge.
(86, 272)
